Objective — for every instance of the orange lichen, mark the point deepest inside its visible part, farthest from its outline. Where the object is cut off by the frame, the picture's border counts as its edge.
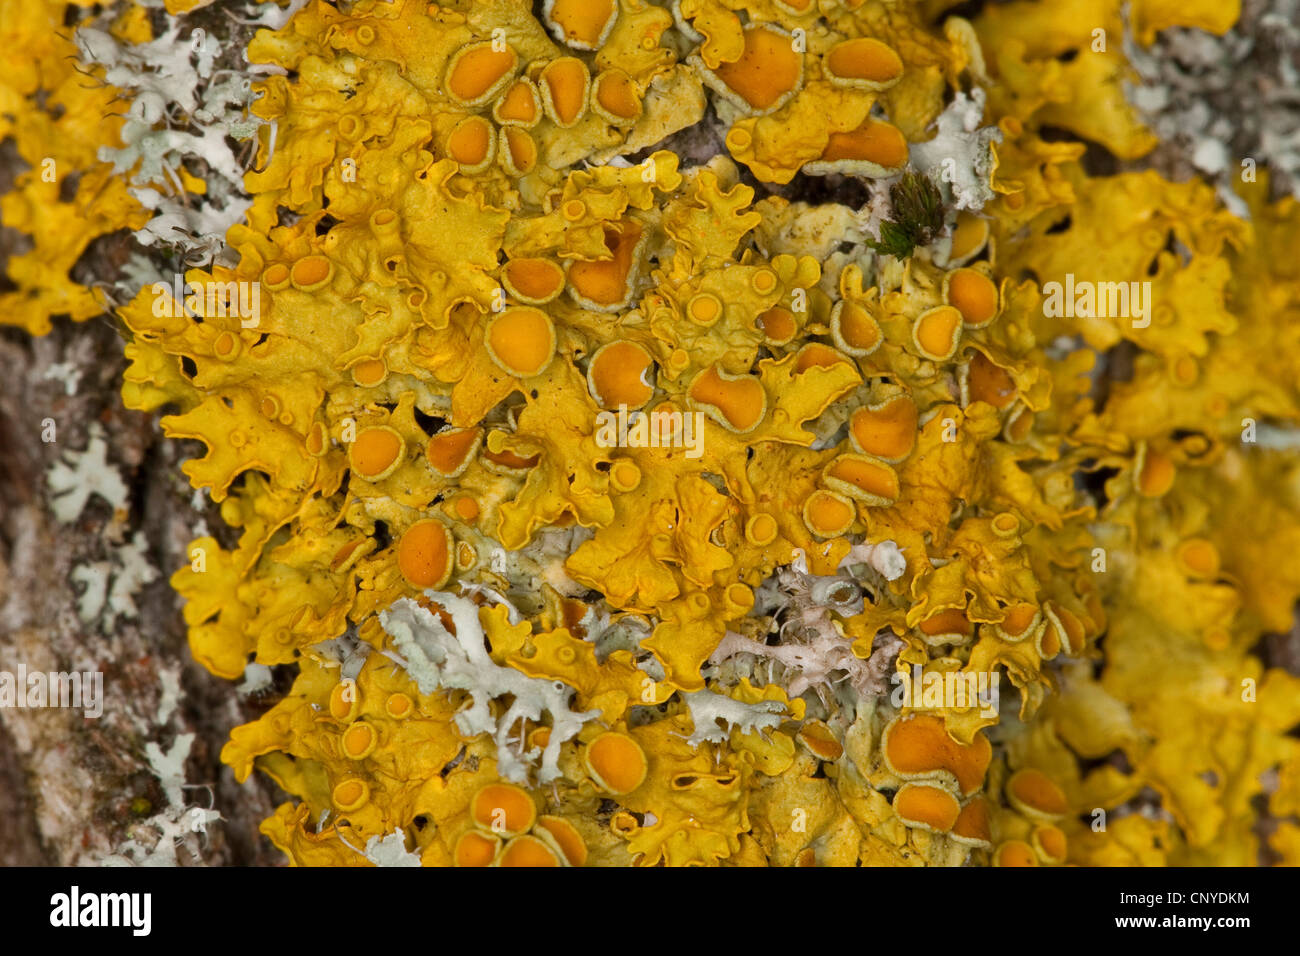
(704, 308)
(620, 373)
(376, 452)
(1199, 557)
(778, 325)
(867, 479)
(479, 71)
(820, 741)
(533, 281)
(766, 74)
(1156, 473)
(565, 86)
(969, 237)
(344, 701)
(918, 747)
(424, 554)
(989, 383)
(369, 373)
(614, 97)
(816, 355)
(1050, 843)
(450, 451)
(937, 331)
(350, 795)
(519, 105)
(1065, 632)
(472, 144)
(737, 402)
(738, 600)
(855, 330)
(508, 461)
(885, 430)
(761, 530)
(476, 849)
(616, 763)
(973, 294)
(521, 341)
(565, 836)
(891, 476)
(1020, 622)
(528, 850)
(974, 825)
(864, 63)
(1015, 853)
(926, 806)
(875, 148)
(581, 24)
(1005, 525)
(517, 151)
(399, 705)
(950, 626)
(1036, 795)
(624, 475)
(828, 514)
(503, 809)
(310, 273)
(603, 283)
(358, 741)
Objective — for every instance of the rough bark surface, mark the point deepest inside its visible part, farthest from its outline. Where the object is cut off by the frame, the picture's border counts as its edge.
(73, 790)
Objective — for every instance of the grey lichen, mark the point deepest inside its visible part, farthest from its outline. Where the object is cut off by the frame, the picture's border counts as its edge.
(438, 659)
(1229, 105)
(79, 474)
(812, 652)
(959, 158)
(188, 101)
(710, 712)
(390, 851)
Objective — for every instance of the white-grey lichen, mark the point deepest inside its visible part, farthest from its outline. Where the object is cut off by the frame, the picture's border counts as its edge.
(348, 653)
(884, 557)
(169, 766)
(257, 678)
(959, 159)
(812, 652)
(1277, 438)
(1229, 100)
(108, 588)
(65, 372)
(437, 659)
(182, 112)
(79, 474)
(390, 851)
(169, 682)
(154, 842)
(716, 715)
(822, 663)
